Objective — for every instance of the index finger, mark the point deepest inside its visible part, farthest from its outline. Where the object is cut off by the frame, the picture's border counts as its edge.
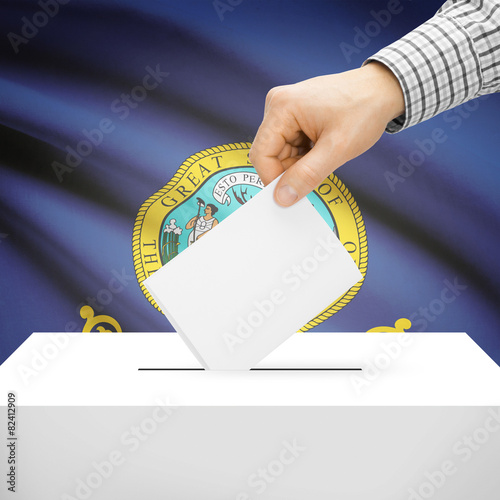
(268, 144)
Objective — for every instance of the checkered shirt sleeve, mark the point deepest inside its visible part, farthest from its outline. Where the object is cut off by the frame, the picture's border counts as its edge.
(448, 60)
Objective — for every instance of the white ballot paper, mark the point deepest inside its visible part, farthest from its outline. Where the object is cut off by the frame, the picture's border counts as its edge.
(252, 281)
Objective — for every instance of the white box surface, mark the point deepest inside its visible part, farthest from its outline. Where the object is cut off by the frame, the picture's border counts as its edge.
(294, 429)
(396, 369)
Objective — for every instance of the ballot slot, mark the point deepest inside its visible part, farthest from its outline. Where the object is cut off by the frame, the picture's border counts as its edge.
(312, 369)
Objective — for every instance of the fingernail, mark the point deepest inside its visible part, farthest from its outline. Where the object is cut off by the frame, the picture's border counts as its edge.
(287, 195)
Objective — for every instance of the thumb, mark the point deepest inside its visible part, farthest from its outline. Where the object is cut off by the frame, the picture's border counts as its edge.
(307, 173)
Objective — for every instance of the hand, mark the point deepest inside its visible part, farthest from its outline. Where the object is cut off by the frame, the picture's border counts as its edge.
(315, 126)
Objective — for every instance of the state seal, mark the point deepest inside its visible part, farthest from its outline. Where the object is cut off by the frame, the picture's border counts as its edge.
(212, 184)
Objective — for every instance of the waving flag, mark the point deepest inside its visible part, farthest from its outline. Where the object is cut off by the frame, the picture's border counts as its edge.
(101, 103)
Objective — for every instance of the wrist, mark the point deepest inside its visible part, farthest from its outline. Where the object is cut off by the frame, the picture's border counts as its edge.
(388, 92)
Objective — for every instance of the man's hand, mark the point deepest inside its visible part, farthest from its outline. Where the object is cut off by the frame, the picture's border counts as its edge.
(315, 126)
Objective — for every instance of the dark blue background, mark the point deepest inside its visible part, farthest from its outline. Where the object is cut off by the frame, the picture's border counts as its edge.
(61, 241)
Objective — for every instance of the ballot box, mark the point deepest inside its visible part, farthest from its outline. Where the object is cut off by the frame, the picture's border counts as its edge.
(325, 416)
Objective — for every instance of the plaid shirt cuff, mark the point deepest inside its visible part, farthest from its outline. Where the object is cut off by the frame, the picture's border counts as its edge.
(453, 57)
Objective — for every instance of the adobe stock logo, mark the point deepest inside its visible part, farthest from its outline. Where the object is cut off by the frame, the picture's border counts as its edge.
(221, 7)
(122, 108)
(266, 476)
(31, 27)
(292, 279)
(463, 452)
(364, 36)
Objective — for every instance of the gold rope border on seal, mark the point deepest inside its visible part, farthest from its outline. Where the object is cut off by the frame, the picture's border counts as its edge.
(360, 226)
(363, 259)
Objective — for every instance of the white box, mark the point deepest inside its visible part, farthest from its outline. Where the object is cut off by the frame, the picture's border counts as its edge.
(421, 417)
